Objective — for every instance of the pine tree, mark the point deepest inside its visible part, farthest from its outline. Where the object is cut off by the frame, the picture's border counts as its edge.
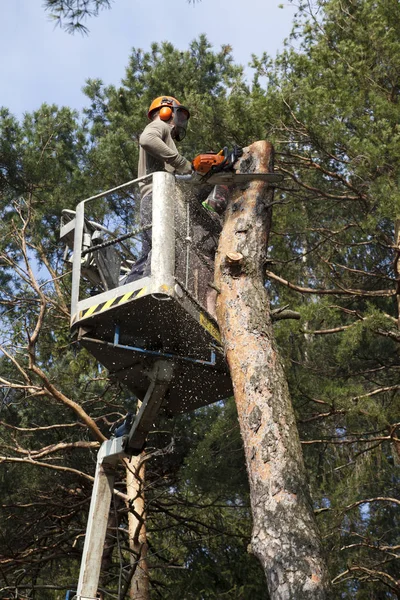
(332, 109)
(50, 161)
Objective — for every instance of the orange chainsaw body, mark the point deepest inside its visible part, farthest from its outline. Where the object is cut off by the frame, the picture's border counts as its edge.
(203, 163)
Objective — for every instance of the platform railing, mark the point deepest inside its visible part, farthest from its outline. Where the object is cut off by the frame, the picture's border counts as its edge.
(78, 235)
(178, 262)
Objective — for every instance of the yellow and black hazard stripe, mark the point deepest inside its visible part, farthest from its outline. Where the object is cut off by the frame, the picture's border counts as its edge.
(117, 301)
(210, 327)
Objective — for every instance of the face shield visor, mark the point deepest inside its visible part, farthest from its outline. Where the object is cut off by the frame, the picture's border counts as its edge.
(180, 121)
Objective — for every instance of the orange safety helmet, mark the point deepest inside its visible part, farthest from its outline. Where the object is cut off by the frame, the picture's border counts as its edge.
(167, 106)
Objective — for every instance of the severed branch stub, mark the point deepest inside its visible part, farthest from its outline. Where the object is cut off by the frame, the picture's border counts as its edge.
(234, 263)
(278, 314)
(234, 257)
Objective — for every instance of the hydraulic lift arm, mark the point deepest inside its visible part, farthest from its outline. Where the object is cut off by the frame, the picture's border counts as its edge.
(108, 458)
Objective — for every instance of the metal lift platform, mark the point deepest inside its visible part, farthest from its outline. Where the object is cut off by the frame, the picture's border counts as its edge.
(129, 327)
(154, 334)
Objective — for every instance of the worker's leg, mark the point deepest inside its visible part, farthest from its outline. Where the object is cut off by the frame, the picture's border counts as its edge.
(205, 243)
(146, 216)
(141, 268)
(216, 202)
(217, 199)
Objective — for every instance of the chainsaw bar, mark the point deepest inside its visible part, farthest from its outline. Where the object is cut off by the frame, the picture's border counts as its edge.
(232, 177)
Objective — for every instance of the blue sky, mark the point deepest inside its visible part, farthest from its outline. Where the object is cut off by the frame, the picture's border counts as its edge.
(41, 63)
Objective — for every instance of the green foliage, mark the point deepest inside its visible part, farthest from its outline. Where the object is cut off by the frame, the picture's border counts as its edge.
(330, 103)
(333, 99)
(71, 14)
(200, 523)
(49, 161)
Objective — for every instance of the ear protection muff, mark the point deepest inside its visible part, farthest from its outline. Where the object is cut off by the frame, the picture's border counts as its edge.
(165, 113)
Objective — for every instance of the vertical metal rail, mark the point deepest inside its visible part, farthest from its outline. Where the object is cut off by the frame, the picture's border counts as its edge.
(108, 457)
(163, 219)
(77, 256)
(188, 242)
(110, 453)
(78, 236)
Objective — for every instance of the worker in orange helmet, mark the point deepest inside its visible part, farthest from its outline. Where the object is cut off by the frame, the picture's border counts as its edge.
(168, 123)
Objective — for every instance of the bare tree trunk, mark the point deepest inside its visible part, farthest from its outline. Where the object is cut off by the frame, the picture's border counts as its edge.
(135, 477)
(396, 444)
(397, 266)
(285, 536)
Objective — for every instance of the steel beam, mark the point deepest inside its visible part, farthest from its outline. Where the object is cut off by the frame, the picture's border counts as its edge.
(160, 379)
(109, 454)
(108, 457)
(76, 260)
(163, 234)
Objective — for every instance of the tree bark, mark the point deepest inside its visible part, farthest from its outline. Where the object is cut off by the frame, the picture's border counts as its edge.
(135, 476)
(396, 444)
(285, 537)
(397, 266)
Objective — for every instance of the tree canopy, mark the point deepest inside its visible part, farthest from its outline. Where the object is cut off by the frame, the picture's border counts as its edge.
(330, 105)
(72, 15)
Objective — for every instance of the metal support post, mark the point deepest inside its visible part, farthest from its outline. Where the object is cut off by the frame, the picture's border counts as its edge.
(163, 235)
(77, 256)
(160, 377)
(108, 458)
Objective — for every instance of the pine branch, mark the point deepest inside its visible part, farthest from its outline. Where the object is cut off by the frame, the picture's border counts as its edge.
(334, 292)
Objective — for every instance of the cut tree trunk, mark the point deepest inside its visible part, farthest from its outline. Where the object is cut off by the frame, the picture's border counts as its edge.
(397, 266)
(396, 444)
(139, 588)
(285, 537)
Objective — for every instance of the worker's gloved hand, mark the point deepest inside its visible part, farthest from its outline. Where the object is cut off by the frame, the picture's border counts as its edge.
(231, 156)
(185, 168)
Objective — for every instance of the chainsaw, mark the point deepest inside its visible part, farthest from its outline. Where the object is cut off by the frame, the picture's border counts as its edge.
(210, 163)
(219, 168)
